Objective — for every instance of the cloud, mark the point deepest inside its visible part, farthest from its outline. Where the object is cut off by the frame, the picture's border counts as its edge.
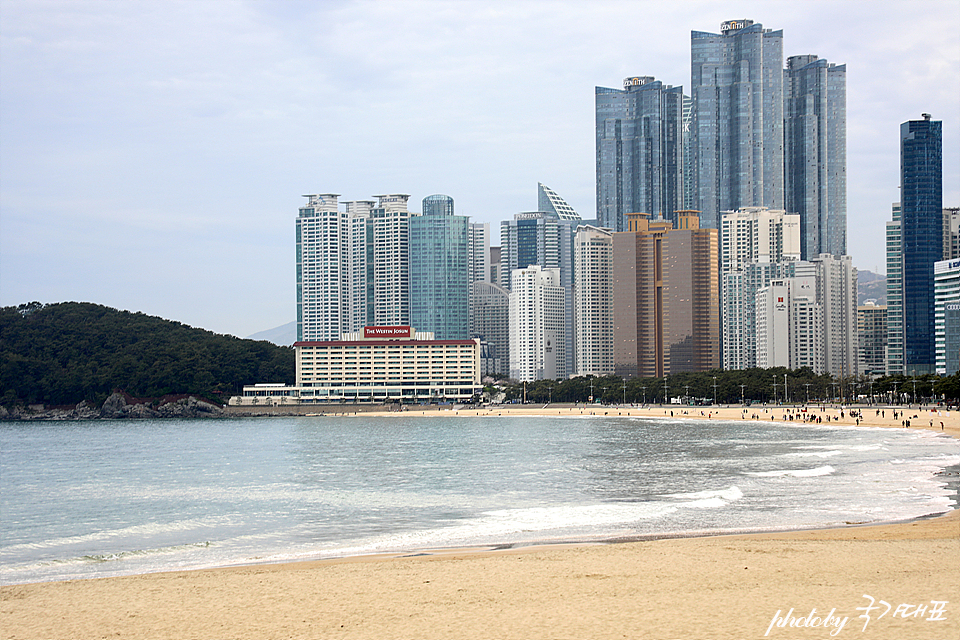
(169, 142)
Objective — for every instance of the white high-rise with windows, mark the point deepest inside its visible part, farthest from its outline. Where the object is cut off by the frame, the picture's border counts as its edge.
(537, 324)
(810, 319)
(353, 265)
(391, 260)
(756, 245)
(323, 269)
(478, 252)
(593, 301)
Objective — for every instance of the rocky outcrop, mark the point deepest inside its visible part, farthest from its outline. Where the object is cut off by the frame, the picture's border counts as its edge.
(119, 405)
(189, 407)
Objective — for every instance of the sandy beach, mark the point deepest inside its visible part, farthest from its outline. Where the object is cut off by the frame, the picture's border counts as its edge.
(801, 584)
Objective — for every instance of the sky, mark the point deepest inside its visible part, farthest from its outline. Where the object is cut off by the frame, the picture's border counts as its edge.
(153, 154)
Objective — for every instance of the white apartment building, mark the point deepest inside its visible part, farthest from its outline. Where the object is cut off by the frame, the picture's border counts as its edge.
(946, 279)
(353, 265)
(593, 301)
(478, 252)
(537, 327)
(810, 319)
(756, 245)
(788, 327)
(323, 269)
(391, 260)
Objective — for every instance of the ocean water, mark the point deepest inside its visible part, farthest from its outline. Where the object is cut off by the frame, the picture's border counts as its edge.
(100, 498)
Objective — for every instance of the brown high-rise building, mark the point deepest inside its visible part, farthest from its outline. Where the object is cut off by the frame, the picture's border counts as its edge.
(667, 303)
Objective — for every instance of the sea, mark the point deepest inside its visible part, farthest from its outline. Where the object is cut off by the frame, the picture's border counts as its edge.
(86, 499)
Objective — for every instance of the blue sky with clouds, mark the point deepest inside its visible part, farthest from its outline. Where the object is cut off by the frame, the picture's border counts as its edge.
(153, 153)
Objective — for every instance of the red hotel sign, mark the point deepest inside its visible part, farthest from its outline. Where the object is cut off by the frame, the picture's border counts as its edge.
(387, 332)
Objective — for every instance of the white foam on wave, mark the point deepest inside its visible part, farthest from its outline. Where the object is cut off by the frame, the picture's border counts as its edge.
(813, 454)
(793, 473)
(134, 531)
(728, 495)
(535, 524)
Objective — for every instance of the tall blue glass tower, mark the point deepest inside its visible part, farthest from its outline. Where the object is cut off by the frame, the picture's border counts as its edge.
(736, 84)
(921, 219)
(439, 287)
(640, 151)
(815, 153)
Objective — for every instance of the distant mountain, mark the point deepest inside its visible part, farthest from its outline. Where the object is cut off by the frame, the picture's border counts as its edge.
(284, 335)
(871, 285)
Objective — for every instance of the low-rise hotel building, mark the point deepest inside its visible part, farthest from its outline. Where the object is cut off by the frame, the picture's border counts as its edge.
(379, 364)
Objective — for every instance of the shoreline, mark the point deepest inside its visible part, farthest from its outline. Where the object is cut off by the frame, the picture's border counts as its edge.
(524, 590)
(726, 586)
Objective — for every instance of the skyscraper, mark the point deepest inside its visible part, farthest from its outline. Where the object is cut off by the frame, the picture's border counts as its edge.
(921, 220)
(593, 301)
(666, 307)
(549, 201)
(894, 231)
(947, 283)
(353, 267)
(815, 176)
(478, 252)
(537, 319)
(439, 291)
(542, 238)
(323, 299)
(755, 244)
(872, 339)
(639, 151)
(391, 260)
(489, 321)
(737, 92)
(810, 319)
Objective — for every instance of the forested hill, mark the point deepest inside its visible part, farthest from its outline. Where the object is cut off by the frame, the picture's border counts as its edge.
(64, 353)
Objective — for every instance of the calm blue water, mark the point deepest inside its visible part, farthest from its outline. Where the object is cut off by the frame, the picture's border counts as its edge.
(97, 498)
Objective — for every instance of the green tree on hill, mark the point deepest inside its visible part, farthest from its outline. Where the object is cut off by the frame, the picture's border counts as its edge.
(63, 353)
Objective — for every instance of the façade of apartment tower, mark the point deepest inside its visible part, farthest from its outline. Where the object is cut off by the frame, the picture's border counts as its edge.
(666, 307)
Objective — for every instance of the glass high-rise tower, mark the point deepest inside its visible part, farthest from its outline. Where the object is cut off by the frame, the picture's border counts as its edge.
(639, 147)
(439, 286)
(815, 140)
(736, 84)
(921, 237)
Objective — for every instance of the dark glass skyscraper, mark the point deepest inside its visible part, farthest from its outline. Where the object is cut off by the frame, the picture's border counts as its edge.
(815, 138)
(921, 219)
(736, 84)
(639, 151)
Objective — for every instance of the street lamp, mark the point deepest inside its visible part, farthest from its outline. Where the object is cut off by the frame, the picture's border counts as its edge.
(895, 393)
(666, 391)
(644, 388)
(624, 392)
(785, 389)
(774, 389)
(714, 389)
(741, 394)
(686, 393)
(807, 385)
